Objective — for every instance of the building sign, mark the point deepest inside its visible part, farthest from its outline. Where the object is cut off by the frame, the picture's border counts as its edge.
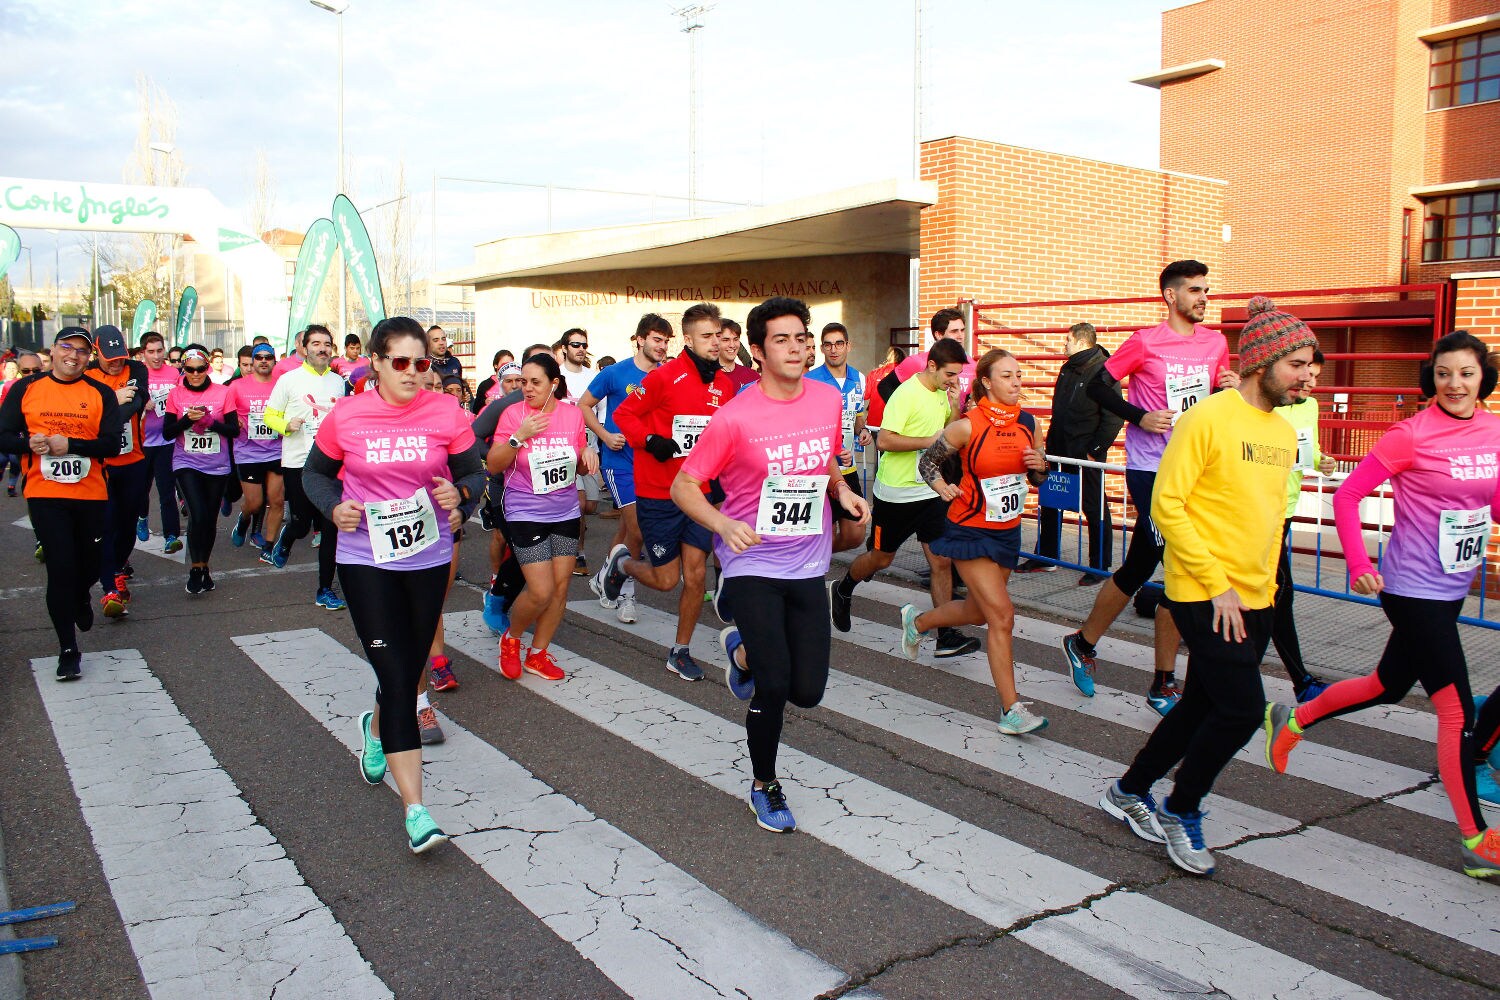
(734, 289)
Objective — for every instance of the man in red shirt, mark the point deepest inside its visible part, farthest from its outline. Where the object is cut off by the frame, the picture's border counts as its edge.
(662, 424)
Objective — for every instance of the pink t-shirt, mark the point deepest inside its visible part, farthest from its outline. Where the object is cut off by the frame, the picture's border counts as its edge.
(1167, 371)
(159, 384)
(345, 367)
(391, 453)
(198, 447)
(918, 362)
(565, 436)
(257, 442)
(753, 437)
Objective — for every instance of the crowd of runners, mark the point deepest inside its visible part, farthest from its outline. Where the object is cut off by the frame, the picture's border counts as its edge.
(734, 483)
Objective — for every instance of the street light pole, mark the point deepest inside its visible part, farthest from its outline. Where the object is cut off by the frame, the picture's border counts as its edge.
(337, 8)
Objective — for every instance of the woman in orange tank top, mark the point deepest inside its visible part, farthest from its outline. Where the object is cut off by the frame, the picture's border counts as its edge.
(999, 461)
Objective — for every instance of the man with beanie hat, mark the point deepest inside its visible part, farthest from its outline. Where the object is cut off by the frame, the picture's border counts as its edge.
(1218, 503)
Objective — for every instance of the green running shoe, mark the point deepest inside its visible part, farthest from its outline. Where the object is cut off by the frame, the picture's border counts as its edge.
(421, 831)
(372, 757)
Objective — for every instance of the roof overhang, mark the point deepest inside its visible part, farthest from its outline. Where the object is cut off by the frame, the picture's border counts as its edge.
(1455, 29)
(879, 217)
(1457, 187)
(1180, 72)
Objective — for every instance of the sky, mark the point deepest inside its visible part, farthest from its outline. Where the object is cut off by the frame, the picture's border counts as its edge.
(794, 98)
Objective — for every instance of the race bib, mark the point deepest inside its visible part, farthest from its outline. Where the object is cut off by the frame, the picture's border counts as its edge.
(159, 394)
(687, 428)
(259, 429)
(791, 506)
(200, 443)
(552, 469)
(1004, 497)
(1306, 450)
(848, 427)
(1462, 535)
(127, 437)
(310, 425)
(65, 469)
(401, 528)
(1185, 390)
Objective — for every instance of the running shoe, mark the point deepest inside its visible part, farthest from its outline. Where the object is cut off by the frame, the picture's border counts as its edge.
(910, 637)
(40, 555)
(721, 605)
(113, 605)
(142, 529)
(237, 533)
(421, 832)
(736, 677)
(195, 581)
(495, 618)
(428, 728)
(208, 580)
(1485, 784)
(122, 587)
(1481, 854)
(770, 808)
(1080, 663)
(257, 539)
(317, 539)
(1139, 811)
(1162, 698)
(626, 610)
(510, 657)
(440, 674)
(69, 665)
(1281, 738)
(1184, 836)
(681, 663)
(839, 607)
(329, 600)
(1035, 566)
(541, 663)
(372, 756)
(280, 554)
(1020, 720)
(581, 565)
(172, 545)
(267, 557)
(1310, 689)
(607, 583)
(952, 642)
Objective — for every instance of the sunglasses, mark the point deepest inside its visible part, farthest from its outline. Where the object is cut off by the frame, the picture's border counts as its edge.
(578, 343)
(401, 364)
(194, 371)
(29, 371)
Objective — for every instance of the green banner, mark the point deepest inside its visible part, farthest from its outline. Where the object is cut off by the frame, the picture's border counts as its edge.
(187, 306)
(359, 257)
(231, 240)
(313, 262)
(145, 319)
(10, 248)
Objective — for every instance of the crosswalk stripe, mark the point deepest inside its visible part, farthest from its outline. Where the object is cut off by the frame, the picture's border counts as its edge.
(1441, 900)
(650, 927)
(211, 903)
(964, 866)
(1398, 719)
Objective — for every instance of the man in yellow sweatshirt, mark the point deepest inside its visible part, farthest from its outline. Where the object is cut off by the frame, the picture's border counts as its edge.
(1219, 501)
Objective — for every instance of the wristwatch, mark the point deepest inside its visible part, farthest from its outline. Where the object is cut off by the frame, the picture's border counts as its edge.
(514, 443)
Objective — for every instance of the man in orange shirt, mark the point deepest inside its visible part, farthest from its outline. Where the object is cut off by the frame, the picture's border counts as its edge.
(65, 426)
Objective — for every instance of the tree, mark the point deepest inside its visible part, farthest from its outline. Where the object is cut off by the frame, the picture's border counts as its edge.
(141, 266)
(263, 203)
(392, 239)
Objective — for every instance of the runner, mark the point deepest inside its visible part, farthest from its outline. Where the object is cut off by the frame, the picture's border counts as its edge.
(837, 372)
(662, 423)
(729, 358)
(443, 362)
(162, 377)
(905, 504)
(1444, 467)
(1171, 366)
(27, 363)
(874, 401)
(64, 425)
(217, 373)
(127, 475)
(774, 449)
(1220, 493)
(1303, 416)
(202, 427)
(540, 447)
(490, 388)
(299, 402)
(257, 452)
(346, 363)
(174, 357)
(383, 464)
(577, 375)
(296, 358)
(946, 324)
(995, 443)
(613, 386)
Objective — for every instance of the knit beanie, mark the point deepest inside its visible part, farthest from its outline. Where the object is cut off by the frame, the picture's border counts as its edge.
(1270, 334)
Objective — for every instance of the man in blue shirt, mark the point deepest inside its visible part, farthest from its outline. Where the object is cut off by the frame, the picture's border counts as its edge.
(616, 458)
(850, 382)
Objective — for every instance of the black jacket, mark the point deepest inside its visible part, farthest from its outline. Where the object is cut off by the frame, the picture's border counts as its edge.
(1080, 428)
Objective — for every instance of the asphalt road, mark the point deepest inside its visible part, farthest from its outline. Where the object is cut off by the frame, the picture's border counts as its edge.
(196, 795)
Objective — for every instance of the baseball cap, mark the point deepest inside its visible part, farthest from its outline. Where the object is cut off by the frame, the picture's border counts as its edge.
(110, 343)
(69, 332)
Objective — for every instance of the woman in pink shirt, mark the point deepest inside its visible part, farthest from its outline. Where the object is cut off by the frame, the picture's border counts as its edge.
(541, 446)
(201, 427)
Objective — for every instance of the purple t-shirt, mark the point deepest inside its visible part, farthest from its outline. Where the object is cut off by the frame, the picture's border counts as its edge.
(159, 383)
(540, 484)
(257, 442)
(1167, 371)
(198, 447)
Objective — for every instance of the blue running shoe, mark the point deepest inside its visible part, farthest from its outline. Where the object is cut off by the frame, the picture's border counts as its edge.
(495, 618)
(1485, 785)
(142, 529)
(1310, 690)
(1184, 836)
(1162, 699)
(681, 663)
(258, 540)
(421, 832)
(172, 545)
(770, 808)
(328, 600)
(1080, 664)
(736, 677)
(372, 757)
(279, 555)
(237, 533)
(1139, 811)
(266, 557)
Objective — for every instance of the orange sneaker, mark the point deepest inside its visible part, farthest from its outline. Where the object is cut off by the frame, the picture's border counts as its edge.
(1482, 857)
(510, 657)
(541, 663)
(1282, 736)
(113, 606)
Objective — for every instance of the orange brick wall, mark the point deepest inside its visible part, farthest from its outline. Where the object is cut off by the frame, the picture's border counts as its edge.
(1477, 308)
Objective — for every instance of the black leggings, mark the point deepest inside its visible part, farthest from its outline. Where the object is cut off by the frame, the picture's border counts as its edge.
(70, 532)
(784, 626)
(128, 485)
(159, 459)
(395, 614)
(203, 492)
(1224, 702)
(305, 519)
(1146, 546)
(1284, 631)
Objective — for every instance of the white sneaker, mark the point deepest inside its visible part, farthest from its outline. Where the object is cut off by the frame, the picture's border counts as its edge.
(1020, 720)
(626, 611)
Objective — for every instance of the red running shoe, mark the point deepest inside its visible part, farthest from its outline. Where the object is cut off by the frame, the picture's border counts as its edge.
(541, 663)
(510, 657)
(440, 674)
(113, 606)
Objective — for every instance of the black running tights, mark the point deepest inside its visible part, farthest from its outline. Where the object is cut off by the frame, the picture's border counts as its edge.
(203, 493)
(71, 532)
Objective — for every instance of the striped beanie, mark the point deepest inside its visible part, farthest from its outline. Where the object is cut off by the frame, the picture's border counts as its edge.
(1270, 334)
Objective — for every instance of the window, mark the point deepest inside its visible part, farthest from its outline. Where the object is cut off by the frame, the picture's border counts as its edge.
(1462, 227)
(1464, 71)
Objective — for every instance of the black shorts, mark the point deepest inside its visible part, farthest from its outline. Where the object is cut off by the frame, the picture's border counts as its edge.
(255, 472)
(851, 480)
(665, 529)
(961, 541)
(896, 522)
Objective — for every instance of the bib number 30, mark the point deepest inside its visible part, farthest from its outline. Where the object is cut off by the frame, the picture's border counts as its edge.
(1004, 497)
(687, 428)
(791, 506)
